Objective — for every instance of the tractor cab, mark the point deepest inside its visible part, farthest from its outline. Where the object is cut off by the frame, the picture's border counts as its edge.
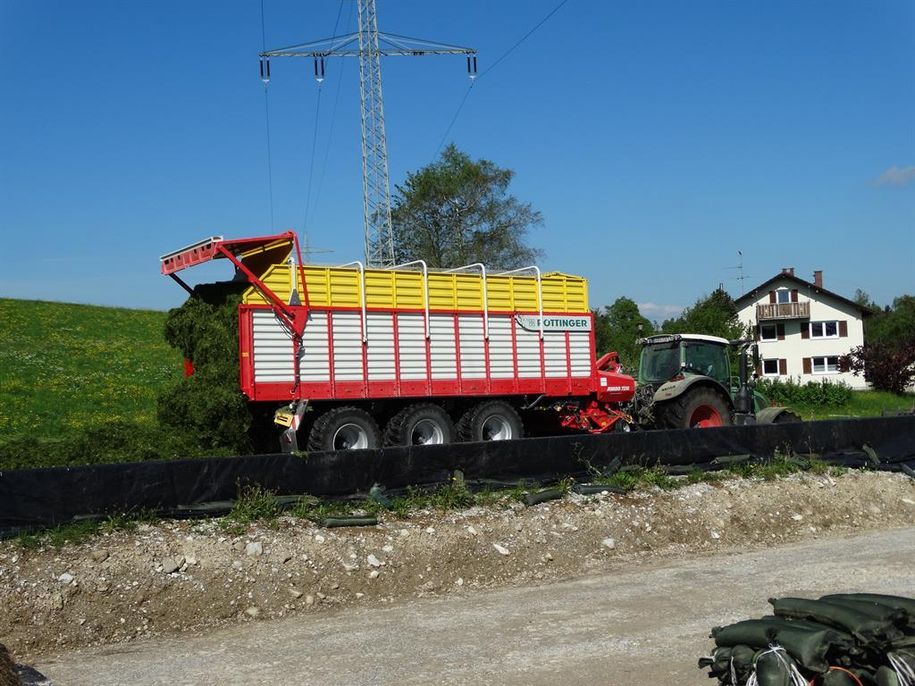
(665, 358)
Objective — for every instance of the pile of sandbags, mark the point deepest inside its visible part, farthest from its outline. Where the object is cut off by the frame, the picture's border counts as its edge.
(846, 639)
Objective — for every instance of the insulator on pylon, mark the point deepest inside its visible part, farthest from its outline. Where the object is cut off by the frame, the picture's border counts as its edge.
(265, 70)
(319, 69)
(472, 66)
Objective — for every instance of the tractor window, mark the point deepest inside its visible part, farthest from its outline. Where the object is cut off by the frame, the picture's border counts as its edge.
(659, 362)
(708, 359)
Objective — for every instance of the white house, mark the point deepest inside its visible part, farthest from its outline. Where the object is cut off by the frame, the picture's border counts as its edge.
(803, 329)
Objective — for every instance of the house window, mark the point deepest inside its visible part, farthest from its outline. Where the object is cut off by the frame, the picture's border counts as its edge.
(824, 330)
(768, 332)
(782, 295)
(825, 365)
(770, 367)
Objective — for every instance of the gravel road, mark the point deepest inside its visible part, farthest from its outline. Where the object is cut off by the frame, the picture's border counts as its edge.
(644, 623)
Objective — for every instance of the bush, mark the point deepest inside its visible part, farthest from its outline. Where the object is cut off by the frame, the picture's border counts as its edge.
(888, 366)
(823, 393)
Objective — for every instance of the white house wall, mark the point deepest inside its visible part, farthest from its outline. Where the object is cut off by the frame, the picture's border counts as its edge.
(794, 348)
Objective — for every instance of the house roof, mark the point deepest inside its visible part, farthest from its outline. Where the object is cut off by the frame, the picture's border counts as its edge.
(810, 287)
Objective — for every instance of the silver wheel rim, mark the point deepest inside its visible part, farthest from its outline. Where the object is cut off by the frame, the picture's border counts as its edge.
(427, 432)
(496, 428)
(351, 437)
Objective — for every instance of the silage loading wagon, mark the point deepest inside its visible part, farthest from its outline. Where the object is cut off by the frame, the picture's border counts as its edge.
(362, 357)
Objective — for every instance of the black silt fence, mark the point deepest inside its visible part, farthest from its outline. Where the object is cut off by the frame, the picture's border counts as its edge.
(36, 498)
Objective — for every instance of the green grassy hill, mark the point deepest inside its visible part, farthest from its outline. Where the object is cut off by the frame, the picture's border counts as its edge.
(65, 368)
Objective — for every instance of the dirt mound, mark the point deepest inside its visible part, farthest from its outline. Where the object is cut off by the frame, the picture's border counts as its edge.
(180, 576)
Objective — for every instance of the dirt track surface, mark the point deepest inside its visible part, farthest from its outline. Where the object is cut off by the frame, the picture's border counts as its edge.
(185, 577)
(641, 626)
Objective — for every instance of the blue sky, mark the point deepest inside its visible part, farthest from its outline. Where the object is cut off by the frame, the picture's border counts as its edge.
(658, 138)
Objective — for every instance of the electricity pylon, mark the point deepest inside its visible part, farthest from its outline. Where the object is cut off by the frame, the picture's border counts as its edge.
(369, 45)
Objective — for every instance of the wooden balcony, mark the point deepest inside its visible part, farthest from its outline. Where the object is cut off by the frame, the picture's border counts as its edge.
(783, 311)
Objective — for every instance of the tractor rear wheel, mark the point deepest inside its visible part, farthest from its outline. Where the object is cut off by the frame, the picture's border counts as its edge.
(698, 408)
(420, 424)
(344, 428)
(493, 420)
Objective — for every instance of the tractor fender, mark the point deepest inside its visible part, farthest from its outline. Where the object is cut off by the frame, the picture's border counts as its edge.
(770, 415)
(673, 389)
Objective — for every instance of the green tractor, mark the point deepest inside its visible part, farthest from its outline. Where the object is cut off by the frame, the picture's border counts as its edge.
(685, 381)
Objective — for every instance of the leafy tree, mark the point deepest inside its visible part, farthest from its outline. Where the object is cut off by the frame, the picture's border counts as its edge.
(617, 328)
(894, 325)
(714, 314)
(457, 211)
(888, 367)
(864, 300)
(887, 359)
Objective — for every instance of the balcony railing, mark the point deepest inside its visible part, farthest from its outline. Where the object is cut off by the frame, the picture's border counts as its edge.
(783, 311)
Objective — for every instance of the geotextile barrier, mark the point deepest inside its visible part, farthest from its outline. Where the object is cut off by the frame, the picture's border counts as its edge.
(36, 498)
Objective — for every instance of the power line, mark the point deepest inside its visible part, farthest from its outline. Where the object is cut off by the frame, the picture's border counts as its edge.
(311, 163)
(454, 118)
(333, 112)
(523, 38)
(267, 122)
(493, 66)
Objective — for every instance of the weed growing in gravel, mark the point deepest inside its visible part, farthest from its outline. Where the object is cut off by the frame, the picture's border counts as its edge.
(700, 476)
(632, 478)
(254, 503)
(84, 530)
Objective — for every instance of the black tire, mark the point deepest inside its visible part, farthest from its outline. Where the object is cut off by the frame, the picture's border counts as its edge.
(420, 424)
(493, 420)
(786, 417)
(697, 408)
(344, 428)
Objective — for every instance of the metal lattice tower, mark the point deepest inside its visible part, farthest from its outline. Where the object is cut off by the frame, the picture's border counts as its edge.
(369, 46)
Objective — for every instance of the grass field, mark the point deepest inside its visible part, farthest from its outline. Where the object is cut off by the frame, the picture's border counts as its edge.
(862, 404)
(64, 367)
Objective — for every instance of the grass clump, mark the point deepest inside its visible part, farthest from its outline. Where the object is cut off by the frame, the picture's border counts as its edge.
(254, 503)
(74, 533)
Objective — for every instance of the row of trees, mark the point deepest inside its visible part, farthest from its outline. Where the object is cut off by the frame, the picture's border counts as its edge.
(458, 211)
(617, 325)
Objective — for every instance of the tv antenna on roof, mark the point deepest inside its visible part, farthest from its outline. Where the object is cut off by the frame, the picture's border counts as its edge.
(741, 277)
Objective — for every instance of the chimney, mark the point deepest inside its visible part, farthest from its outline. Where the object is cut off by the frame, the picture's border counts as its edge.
(818, 278)
(788, 270)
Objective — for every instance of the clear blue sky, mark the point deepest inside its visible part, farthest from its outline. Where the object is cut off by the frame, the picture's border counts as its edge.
(658, 138)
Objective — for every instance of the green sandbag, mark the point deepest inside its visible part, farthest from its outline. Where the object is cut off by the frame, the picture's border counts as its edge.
(718, 664)
(742, 658)
(774, 668)
(542, 496)
(887, 677)
(900, 602)
(897, 616)
(858, 624)
(809, 648)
